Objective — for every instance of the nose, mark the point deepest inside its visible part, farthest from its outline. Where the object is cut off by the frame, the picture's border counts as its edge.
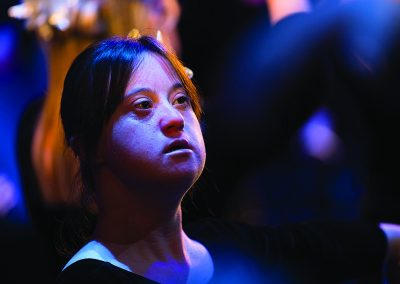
(171, 122)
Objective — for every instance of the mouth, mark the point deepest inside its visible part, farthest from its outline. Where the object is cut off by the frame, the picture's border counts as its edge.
(177, 145)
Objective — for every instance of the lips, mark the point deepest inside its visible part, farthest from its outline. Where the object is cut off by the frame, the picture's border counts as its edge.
(176, 145)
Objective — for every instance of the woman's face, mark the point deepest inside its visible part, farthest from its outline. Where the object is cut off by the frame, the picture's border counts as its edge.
(153, 138)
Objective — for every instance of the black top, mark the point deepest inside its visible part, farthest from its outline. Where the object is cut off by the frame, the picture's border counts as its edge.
(97, 271)
(306, 253)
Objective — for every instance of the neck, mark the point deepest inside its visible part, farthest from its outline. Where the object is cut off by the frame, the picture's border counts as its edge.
(142, 228)
(131, 213)
(125, 227)
(165, 256)
(159, 251)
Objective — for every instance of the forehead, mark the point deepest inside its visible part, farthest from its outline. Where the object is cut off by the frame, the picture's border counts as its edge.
(153, 72)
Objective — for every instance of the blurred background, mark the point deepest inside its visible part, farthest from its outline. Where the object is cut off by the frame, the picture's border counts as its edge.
(272, 158)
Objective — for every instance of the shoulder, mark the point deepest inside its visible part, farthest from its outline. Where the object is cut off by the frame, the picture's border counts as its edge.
(94, 250)
(97, 271)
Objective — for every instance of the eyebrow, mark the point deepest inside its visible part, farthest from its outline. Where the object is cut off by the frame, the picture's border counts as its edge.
(135, 91)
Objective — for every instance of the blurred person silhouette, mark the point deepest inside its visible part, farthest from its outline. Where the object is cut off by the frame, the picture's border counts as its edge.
(22, 75)
(48, 169)
(279, 78)
(131, 114)
(248, 22)
(22, 78)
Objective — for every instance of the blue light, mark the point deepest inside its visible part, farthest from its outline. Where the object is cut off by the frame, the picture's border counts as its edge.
(318, 137)
(7, 46)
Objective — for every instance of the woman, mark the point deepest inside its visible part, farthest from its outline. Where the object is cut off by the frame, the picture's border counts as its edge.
(166, 162)
(47, 167)
(131, 115)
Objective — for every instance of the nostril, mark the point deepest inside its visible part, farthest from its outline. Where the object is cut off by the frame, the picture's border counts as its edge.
(176, 125)
(172, 125)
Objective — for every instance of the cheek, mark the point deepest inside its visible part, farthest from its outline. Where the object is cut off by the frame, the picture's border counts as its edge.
(133, 153)
(123, 141)
(120, 137)
(201, 144)
(198, 136)
(201, 151)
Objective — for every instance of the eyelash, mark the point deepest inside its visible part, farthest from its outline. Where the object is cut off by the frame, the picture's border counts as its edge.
(139, 104)
(181, 100)
(179, 97)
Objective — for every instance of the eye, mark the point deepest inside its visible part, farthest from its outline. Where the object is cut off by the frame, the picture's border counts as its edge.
(143, 104)
(181, 100)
